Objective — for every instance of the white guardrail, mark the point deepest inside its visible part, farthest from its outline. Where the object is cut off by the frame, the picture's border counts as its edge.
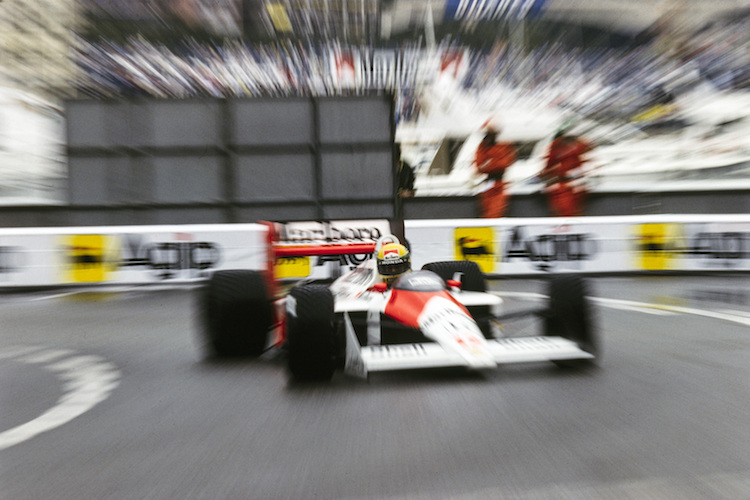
(33, 257)
(617, 244)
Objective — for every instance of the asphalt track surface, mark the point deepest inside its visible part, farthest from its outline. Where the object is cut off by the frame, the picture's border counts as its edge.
(105, 395)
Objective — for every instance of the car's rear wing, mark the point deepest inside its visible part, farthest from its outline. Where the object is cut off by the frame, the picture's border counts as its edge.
(314, 250)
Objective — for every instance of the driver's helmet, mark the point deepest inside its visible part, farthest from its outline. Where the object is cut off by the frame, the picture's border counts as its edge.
(393, 261)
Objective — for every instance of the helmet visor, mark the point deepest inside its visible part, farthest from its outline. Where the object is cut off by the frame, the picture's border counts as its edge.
(394, 267)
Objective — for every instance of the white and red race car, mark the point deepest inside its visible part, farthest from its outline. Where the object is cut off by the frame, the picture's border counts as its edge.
(439, 316)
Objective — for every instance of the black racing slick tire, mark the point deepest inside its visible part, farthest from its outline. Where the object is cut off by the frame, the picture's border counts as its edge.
(236, 313)
(312, 341)
(570, 316)
(472, 280)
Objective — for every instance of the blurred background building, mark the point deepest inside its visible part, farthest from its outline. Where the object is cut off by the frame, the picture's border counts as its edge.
(35, 41)
(605, 61)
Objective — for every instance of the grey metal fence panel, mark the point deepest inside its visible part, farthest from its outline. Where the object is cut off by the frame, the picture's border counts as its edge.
(275, 177)
(110, 180)
(186, 215)
(264, 122)
(364, 210)
(235, 160)
(93, 124)
(181, 124)
(114, 216)
(281, 213)
(354, 121)
(131, 182)
(357, 174)
(89, 179)
(192, 179)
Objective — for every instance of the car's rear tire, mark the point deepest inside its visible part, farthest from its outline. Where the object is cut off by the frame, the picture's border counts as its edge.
(312, 340)
(235, 313)
(569, 316)
(472, 280)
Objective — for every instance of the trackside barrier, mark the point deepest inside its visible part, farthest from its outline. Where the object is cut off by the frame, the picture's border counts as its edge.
(135, 255)
(620, 244)
(31, 257)
(36, 257)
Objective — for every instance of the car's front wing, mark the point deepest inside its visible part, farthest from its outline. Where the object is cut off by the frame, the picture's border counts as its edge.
(361, 360)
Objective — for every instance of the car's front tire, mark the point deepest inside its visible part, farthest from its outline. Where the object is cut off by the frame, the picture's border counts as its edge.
(472, 280)
(570, 316)
(312, 341)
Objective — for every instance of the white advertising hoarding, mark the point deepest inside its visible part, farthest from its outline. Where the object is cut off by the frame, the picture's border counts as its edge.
(501, 247)
(128, 254)
(518, 246)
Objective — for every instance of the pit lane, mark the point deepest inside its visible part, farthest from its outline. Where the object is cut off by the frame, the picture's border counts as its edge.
(665, 416)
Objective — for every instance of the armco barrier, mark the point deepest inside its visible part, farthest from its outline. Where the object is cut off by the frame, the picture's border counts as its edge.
(127, 254)
(501, 247)
(517, 246)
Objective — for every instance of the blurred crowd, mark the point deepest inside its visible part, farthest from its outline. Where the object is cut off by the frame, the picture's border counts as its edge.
(139, 68)
(592, 81)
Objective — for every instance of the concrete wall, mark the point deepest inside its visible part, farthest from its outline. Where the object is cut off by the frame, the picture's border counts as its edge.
(533, 205)
(598, 204)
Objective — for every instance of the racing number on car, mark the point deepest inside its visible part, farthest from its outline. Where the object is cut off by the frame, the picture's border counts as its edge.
(476, 244)
(292, 267)
(86, 258)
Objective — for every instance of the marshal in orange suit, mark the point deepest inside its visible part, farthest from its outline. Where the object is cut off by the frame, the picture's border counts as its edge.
(493, 158)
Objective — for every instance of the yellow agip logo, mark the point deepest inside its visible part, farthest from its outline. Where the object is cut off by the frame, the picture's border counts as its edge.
(477, 244)
(292, 267)
(657, 246)
(87, 258)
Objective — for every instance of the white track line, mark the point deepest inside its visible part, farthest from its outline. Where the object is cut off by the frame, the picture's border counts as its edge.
(87, 380)
(741, 318)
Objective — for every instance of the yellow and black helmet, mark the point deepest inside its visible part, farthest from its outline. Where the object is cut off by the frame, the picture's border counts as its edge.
(393, 261)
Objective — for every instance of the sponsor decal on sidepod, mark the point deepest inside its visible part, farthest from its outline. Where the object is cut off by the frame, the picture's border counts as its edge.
(445, 322)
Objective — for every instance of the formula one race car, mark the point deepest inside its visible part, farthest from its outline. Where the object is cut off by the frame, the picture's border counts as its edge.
(367, 321)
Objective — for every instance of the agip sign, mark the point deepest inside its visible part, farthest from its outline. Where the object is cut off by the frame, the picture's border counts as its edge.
(128, 254)
(511, 246)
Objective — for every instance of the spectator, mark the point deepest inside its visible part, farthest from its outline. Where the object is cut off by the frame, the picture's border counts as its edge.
(493, 158)
(562, 172)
